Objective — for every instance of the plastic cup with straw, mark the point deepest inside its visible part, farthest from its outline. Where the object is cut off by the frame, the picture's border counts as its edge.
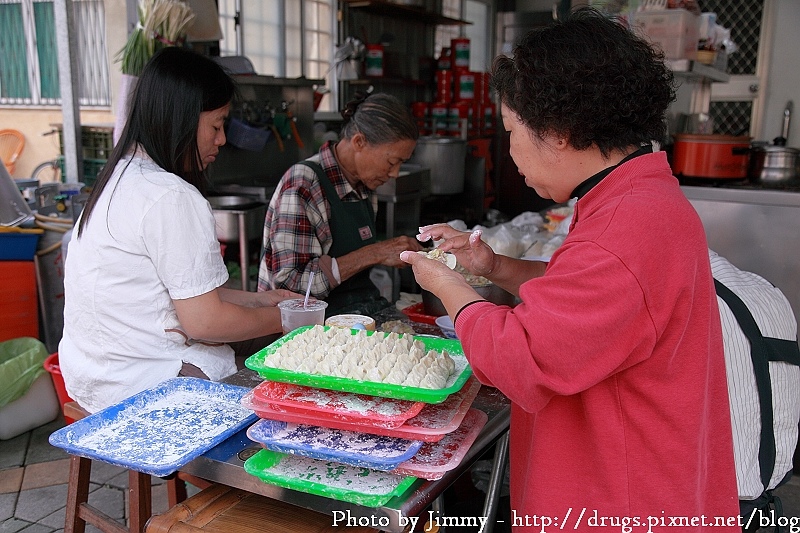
(299, 312)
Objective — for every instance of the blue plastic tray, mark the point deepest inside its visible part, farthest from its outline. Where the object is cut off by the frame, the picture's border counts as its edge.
(348, 447)
(160, 429)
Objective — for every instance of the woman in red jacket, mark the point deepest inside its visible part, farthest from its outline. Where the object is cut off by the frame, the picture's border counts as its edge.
(614, 359)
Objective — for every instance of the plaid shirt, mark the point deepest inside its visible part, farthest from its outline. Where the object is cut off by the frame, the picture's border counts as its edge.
(297, 234)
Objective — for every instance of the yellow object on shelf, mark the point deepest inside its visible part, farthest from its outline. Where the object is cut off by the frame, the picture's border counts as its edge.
(707, 57)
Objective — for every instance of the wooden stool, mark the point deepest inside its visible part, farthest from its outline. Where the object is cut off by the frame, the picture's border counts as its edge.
(221, 509)
(79, 512)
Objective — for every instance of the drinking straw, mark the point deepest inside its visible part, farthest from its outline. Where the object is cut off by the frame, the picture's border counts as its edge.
(308, 290)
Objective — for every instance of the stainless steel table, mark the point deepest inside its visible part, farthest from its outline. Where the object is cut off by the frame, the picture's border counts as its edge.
(224, 464)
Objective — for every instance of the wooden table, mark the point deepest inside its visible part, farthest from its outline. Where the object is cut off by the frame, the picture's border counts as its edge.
(224, 464)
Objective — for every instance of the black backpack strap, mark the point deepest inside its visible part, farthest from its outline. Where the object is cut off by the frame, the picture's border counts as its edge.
(783, 350)
(759, 354)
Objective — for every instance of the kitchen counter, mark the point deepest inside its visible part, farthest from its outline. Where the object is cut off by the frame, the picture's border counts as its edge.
(224, 464)
(755, 229)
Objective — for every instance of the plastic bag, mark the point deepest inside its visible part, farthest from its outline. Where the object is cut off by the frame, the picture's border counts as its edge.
(21, 362)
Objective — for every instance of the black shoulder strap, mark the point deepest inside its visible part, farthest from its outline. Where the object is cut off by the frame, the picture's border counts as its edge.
(316, 167)
(759, 354)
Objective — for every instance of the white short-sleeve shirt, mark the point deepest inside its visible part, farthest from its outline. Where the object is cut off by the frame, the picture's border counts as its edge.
(151, 239)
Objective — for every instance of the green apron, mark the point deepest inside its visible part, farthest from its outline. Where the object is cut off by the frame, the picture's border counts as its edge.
(352, 227)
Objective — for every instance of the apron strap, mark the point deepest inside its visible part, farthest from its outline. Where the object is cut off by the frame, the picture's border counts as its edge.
(759, 355)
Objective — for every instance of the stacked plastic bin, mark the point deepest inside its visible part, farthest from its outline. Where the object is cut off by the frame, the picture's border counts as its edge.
(96, 144)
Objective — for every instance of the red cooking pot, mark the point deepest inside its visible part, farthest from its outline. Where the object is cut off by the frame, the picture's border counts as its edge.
(711, 156)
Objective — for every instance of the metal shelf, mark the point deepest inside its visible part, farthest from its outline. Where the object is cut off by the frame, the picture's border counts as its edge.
(686, 68)
(389, 9)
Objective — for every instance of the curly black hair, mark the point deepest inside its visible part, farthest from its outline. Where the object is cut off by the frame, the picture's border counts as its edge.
(589, 79)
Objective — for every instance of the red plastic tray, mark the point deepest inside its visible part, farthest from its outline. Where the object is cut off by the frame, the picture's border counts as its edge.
(430, 425)
(351, 407)
(435, 459)
(416, 313)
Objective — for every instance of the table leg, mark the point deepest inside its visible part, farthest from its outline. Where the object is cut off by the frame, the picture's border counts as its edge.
(139, 500)
(495, 487)
(244, 253)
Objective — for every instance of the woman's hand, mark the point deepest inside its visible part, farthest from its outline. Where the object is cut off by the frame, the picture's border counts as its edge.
(273, 297)
(447, 284)
(388, 252)
(432, 275)
(470, 251)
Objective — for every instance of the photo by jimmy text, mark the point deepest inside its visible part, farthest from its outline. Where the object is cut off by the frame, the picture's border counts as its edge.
(410, 524)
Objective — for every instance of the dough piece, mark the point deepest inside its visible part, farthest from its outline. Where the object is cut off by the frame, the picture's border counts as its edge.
(443, 257)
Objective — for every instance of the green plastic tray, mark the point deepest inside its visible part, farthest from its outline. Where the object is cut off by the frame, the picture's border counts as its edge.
(385, 390)
(358, 485)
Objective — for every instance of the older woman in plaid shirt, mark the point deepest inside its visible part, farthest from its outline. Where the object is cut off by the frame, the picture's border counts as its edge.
(321, 218)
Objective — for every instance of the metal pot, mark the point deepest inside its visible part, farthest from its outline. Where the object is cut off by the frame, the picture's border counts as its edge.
(433, 305)
(232, 213)
(773, 164)
(710, 156)
(446, 157)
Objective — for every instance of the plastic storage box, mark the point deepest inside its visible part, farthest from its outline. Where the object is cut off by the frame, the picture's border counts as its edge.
(27, 397)
(675, 31)
(91, 168)
(19, 308)
(96, 141)
(35, 408)
(18, 246)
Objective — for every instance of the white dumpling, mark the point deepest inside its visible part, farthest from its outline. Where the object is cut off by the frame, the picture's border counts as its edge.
(324, 367)
(432, 381)
(375, 374)
(395, 377)
(386, 364)
(412, 380)
(404, 363)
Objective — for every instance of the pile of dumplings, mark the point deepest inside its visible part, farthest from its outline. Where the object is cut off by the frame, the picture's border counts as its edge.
(394, 358)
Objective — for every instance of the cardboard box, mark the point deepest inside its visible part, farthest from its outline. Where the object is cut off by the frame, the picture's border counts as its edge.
(675, 31)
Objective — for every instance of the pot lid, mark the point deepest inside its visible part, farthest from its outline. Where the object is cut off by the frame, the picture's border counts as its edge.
(712, 138)
(770, 148)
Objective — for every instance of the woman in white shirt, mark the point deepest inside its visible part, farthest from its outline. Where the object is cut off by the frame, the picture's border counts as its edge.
(144, 295)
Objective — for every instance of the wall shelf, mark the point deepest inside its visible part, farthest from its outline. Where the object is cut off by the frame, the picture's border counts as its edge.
(699, 77)
(389, 9)
(686, 68)
(388, 81)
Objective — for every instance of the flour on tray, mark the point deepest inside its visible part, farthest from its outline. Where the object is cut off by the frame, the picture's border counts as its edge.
(162, 430)
(336, 475)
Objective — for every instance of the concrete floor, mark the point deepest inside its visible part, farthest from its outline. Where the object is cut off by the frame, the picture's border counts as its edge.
(34, 474)
(33, 485)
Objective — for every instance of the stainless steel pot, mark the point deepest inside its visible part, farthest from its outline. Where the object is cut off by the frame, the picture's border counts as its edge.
(234, 212)
(773, 164)
(446, 157)
(433, 305)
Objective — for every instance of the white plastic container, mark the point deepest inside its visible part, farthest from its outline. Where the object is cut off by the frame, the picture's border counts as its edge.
(35, 408)
(383, 280)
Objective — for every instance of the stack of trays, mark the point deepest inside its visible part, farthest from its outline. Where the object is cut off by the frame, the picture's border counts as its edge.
(358, 441)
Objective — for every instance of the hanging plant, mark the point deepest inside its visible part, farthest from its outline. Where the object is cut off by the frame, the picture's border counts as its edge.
(161, 23)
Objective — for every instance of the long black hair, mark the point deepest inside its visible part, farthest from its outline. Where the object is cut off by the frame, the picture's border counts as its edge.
(176, 86)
